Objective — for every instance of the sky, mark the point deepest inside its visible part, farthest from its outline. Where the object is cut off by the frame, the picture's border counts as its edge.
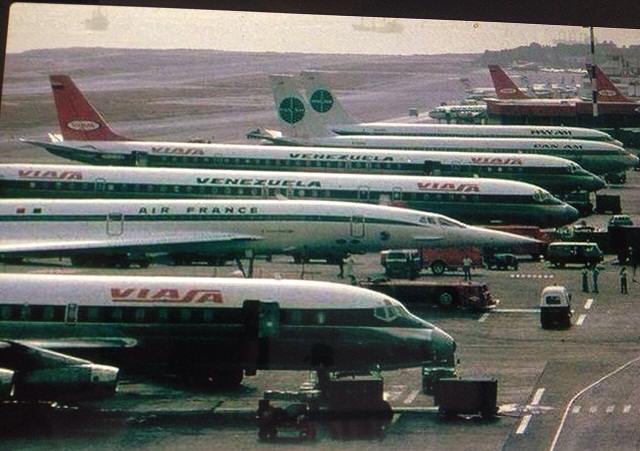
(41, 26)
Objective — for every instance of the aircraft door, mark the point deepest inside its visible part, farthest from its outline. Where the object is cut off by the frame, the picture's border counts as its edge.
(357, 226)
(363, 193)
(396, 194)
(261, 322)
(99, 185)
(115, 224)
(432, 167)
(71, 314)
(140, 158)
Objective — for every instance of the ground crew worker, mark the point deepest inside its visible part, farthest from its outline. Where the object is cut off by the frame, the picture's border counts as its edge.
(585, 280)
(623, 280)
(349, 271)
(466, 267)
(594, 276)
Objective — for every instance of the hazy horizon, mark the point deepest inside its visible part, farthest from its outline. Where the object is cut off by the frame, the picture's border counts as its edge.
(46, 26)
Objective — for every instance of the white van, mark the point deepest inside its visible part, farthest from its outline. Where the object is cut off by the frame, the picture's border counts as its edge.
(555, 307)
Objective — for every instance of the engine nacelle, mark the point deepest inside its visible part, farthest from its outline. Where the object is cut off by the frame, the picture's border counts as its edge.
(80, 381)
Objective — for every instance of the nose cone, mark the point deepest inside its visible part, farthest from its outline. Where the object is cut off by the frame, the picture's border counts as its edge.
(595, 183)
(504, 241)
(444, 348)
(570, 214)
(633, 161)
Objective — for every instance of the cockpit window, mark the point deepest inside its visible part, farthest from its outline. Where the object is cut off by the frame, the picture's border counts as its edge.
(427, 220)
(387, 313)
(444, 222)
(544, 197)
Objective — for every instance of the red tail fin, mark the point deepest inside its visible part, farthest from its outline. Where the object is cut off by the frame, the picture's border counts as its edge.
(79, 120)
(606, 90)
(505, 87)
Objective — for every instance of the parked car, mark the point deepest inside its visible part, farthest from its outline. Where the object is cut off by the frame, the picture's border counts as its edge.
(620, 220)
(555, 307)
(501, 261)
(563, 252)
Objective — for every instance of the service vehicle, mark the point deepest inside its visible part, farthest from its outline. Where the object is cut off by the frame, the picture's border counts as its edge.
(501, 261)
(620, 220)
(622, 239)
(469, 295)
(584, 253)
(401, 263)
(555, 307)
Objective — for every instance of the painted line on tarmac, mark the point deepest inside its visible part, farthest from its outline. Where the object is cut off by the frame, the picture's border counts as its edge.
(527, 418)
(412, 396)
(532, 276)
(579, 394)
(523, 424)
(537, 397)
(588, 304)
(483, 318)
(516, 310)
(581, 319)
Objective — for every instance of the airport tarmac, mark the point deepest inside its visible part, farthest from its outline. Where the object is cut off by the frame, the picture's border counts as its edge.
(574, 388)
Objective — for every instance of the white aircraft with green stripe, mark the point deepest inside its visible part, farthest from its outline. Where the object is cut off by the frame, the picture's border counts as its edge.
(479, 201)
(124, 231)
(293, 110)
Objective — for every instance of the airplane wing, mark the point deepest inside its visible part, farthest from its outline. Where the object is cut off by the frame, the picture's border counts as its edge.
(81, 343)
(32, 372)
(176, 242)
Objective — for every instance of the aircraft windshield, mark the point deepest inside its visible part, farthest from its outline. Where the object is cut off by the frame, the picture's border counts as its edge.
(446, 222)
(394, 312)
(544, 197)
(427, 220)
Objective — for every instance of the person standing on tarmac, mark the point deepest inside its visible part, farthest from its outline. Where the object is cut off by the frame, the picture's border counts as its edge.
(595, 271)
(585, 280)
(466, 267)
(623, 280)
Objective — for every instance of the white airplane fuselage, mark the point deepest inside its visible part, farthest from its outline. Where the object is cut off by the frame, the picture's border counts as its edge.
(227, 228)
(207, 326)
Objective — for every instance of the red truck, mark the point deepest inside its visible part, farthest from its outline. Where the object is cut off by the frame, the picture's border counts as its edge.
(450, 295)
(409, 262)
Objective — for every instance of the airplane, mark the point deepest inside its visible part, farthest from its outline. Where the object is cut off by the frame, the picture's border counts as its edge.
(474, 113)
(606, 91)
(479, 201)
(591, 155)
(504, 86)
(324, 107)
(121, 232)
(215, 329)
(557, 175)
(111, 148)
(613, 109)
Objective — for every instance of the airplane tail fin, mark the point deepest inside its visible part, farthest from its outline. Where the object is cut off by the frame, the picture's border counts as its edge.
(292, 108)
(79, 120)
(505, 87)
(606, 90)
(324, 104)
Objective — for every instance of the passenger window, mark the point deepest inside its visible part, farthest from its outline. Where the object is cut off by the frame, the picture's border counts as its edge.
(139, 315)
(25, 312)
(116, 314)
